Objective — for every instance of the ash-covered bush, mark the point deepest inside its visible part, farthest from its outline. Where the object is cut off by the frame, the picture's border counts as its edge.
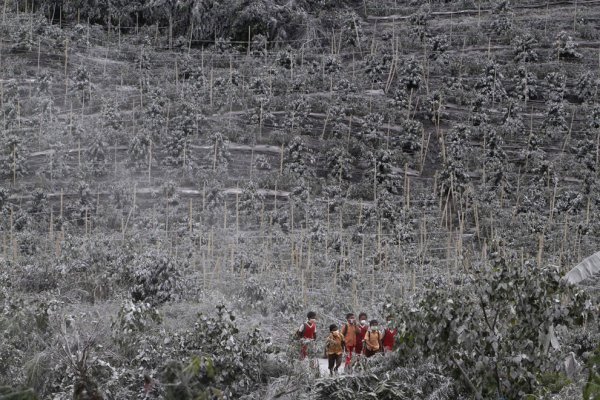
(218, 360)
(154, 277)
(498, 337)
(383, 378)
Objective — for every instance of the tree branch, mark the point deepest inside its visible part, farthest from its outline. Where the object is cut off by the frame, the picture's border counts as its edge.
(467, 379)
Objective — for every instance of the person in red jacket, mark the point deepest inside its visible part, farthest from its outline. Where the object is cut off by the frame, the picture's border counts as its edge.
(363, 326)
(389, 334)
(307, 333)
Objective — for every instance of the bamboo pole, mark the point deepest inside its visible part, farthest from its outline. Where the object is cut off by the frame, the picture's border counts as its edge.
(237, 216)
(150, 163)
(11, 228)
(281, 161)
(224, 214)
(191, 218)
(540, 248)
(66, 63)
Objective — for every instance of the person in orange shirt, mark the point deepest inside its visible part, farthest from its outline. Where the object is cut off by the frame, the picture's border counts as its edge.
(373, 343)
(334, 347)
(351, 331)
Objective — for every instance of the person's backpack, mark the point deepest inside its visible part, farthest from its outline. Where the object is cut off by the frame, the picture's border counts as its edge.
(299, 334)
(372, 345)
(334, 343)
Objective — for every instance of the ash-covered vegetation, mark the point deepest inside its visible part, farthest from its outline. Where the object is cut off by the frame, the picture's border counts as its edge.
(181, 181)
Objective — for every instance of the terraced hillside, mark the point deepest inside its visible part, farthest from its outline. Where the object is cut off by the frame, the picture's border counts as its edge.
(159, 159)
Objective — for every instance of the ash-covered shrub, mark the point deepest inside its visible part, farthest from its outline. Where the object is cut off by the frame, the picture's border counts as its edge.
(498, 337)
(383, 378)
(218, 359)
(154, 277)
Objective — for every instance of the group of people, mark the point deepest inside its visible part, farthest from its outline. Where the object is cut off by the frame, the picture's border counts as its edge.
(360, 337)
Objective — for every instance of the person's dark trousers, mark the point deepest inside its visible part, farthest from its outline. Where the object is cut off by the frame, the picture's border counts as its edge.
(335, 360)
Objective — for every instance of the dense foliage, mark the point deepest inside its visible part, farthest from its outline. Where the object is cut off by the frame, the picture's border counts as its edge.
(433, 160)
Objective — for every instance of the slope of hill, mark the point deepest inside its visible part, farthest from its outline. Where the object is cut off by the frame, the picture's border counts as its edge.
(162, 158)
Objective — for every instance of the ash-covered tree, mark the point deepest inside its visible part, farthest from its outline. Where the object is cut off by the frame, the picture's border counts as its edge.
(143, 65)
(298, 158)
(569, 202)
(479, 113)
(339, 164)
(332, 64)
(384, 214)
(410, 136)
(10, 104)
(85, 206)
(593, 117)
(376, 65)
(525, 48)
(57, 162)
(139, 149)
(97, 153)
(82, 84)
(585, 155)
(437, 47)
(586, 87)
(502, 19)
(154, 113)
(555, 122)
(565, 48)
(14, 156)
(154, 278)
(556, 84)
(251, 200)
(435, 107)
(296, 116)
(178, 138)
(512, 120)
(111, 121)
(338, 115)
(220, 151)
(419, 23)
(21, 37)
(398, 98)
(411, 75)
(490, 85)
(380, 170)
(495, 162)
(44, 101)
(220, 361)
(371, 131)
(286, 58)
(453, 177)
(352, 29)
(525, 84)
(496, 334)
(39, 201)
(259, 45)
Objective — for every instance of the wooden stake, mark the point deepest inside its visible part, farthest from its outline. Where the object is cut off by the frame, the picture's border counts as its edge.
(190, 219)
(66, 63)
(281, 161)
(150, 163)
